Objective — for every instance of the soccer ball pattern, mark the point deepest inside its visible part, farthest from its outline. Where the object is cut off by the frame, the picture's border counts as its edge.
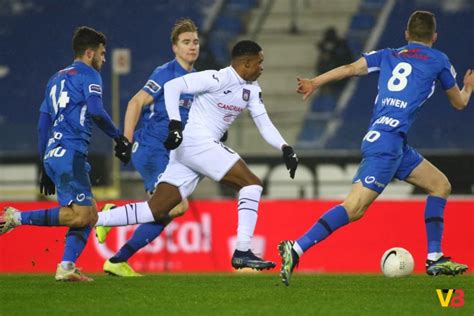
(397, 262)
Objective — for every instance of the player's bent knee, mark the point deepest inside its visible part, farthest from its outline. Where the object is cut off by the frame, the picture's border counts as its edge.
(443, 189)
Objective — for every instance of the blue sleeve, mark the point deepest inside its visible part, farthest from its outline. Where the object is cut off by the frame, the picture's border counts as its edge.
(155, 83)
(447, 75)
(44, 124)
(101, 117)
(374, 59)
(92, 84)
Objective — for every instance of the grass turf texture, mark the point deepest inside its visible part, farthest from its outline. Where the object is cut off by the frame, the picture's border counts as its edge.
(232, 294)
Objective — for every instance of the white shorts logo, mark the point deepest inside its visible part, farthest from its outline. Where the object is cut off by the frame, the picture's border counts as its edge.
(135, 147)
(369, 179)
(80, 197)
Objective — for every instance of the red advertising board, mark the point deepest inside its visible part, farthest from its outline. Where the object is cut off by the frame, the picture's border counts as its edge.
(203, 239)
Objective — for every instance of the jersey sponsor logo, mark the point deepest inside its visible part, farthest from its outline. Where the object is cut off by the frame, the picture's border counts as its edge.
(229, 107)
(385, 120)
(229, 118)
(245, 94)
(394, 102)
(152, 86)
(95, 88)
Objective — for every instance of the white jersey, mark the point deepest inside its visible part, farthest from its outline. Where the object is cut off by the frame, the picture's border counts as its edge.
(219, 97)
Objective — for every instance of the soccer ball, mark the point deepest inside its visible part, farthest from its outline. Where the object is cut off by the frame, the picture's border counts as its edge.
(397, 262)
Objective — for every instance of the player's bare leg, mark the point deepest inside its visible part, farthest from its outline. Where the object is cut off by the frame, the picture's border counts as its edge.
(250, 189)
(429, 178)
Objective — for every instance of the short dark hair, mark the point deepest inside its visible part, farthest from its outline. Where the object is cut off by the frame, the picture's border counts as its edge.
(182, 26)
(245, 48)
(421, 26)
(86, 37)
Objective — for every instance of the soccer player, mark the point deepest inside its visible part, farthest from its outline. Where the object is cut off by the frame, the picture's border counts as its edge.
(149, 155)
(220, 96)
(73, 98)
(407, 78)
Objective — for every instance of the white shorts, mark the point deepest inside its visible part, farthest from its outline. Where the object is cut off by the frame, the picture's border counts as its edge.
(194, 159)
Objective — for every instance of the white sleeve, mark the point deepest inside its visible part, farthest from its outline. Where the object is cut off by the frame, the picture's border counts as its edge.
(269, 131)
(194, 83)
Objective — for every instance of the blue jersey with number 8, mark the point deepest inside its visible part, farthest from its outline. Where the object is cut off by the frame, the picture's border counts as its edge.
(65, 101)
(407, 78)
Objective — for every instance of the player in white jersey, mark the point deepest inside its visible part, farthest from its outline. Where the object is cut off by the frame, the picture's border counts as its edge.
(220, 96)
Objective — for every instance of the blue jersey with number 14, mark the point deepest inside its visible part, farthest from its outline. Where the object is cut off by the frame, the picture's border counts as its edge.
(65, 101)
(407, 78)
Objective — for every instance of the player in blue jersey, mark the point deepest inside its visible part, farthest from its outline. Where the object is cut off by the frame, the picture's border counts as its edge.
(149, 155)
(407, 78)
(73, 99)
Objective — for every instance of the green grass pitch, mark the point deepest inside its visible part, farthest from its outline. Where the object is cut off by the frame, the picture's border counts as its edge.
(233, 294)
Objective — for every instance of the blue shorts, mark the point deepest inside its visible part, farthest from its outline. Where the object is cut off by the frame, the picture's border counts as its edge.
(150, 162)
(69, 171)
(379, 167)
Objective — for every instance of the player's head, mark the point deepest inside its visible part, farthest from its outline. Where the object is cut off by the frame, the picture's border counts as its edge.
(185, 40)
(89, 46)
(247, 59)
(421, 27)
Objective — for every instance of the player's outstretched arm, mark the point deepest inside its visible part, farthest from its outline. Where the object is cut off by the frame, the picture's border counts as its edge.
(273, 137)
(134, 109)
(306, 87)
(460, 98)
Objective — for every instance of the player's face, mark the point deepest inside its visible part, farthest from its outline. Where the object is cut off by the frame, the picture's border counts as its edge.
(187, 47)
(254, 66)
(98, 59)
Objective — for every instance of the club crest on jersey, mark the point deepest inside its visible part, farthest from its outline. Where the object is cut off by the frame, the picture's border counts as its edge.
(152, 86)
(95, 88)
(245, 94)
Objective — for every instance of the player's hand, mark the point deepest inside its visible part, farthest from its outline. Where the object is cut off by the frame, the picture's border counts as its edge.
(290, 159)
(224, 137)
(123, 149)
(469, 79)
(175, 135)
(46, 184)
(305, 87)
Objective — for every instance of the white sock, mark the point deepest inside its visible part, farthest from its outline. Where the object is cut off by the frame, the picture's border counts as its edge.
(17, 217)
(297, 249)
(68, 265)
(434, 256)
(249, 197)
(129, 214)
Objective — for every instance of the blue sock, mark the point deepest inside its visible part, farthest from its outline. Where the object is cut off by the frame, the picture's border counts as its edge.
(143, 235)
(434, 222)
(47, 217)
(76, 240)
(328, 223)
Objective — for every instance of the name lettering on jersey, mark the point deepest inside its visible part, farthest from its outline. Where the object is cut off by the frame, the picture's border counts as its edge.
(95, 88)
(152, 86)
(227, 91)
(394, 102)
(411, 53)
(229, 107)
(246, 94)
(215, 78)
(260, 96)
